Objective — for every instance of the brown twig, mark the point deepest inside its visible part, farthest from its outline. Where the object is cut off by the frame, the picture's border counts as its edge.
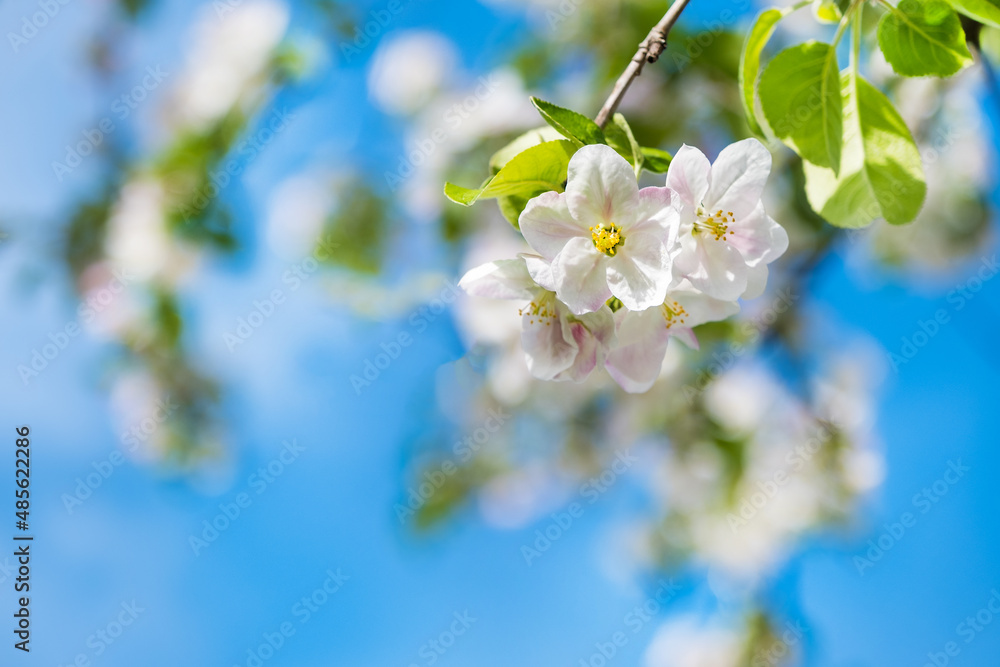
(649, 52)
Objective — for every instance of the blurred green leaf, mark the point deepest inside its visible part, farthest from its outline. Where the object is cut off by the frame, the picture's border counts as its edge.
(984, 11)
(655, 160)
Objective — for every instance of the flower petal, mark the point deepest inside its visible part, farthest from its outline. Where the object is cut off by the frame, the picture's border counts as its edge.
(686, 336)
(756, 281)
(738, 177)
(758, 237)
(640, 273)
(580, 276)
(503, 279)
(594, 334)
(712, 266)
(656, 213)
(700, 308)
(601, 186)
(548, 342)
(688, 175)
(547, 224)
(540, 270)
(642, 341)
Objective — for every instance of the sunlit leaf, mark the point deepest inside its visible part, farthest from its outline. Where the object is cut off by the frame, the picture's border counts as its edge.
(880, 175)
(923, 38)
(800, 96)
(570, 124)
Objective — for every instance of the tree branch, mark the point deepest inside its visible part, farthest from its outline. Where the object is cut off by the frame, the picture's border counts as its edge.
(649, 52)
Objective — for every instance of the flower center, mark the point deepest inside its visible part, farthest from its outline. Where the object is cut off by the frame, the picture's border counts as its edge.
(607, 238)
(540, 310)
(673, 313)
(715, 224)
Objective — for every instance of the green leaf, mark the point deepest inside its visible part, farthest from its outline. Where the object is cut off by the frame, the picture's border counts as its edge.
(655, 160)
(880, 175)
(984, 11)
(923, 38)
(827, 11)
(756, 39)
(540, 168)
(800, 95)
(570, 124)
(512, 206)
(522, 143)
(620, 137)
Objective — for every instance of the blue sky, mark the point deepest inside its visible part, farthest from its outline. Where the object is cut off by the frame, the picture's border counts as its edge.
(330, 509)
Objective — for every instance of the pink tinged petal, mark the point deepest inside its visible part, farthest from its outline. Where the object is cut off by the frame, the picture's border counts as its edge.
(547, 224)
(586, 360)
(642, 341)
(503, 279)
(700, 308)
(540, 270)
(601, 324)
(640, 273)
(657, 214)
(758, 237)
(580, 276)
(738, 178)
(688, 176)
(713, 267)
(686, 336)
(756, 281)
(548, 342)
(601, 186)
(594, 333)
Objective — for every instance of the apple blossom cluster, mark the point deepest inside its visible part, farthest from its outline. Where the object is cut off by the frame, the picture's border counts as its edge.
(617, 270)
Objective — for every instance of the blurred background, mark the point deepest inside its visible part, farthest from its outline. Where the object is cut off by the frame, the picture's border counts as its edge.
(269, 430)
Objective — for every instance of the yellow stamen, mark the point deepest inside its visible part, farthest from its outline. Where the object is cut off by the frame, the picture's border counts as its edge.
(608, 238)
(717, 224)
(673, 313)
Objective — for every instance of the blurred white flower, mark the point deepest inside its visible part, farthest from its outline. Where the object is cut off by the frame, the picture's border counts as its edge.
(685, 641)
(408, 69)
(229, 51)
(296, 214)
